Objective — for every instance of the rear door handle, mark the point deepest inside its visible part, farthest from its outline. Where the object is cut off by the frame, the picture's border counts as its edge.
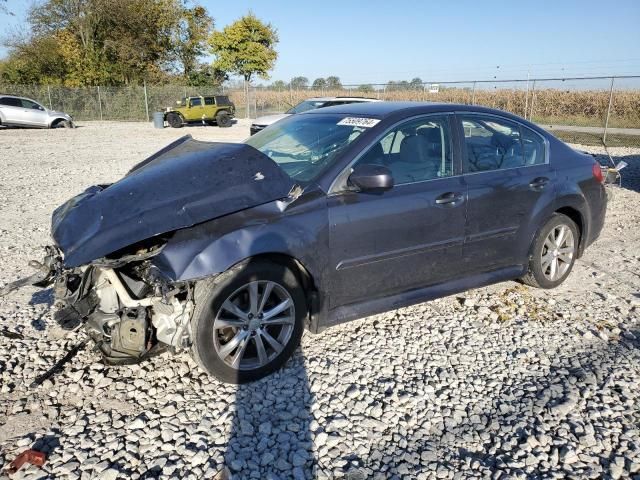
(449, 199)
(539, 183)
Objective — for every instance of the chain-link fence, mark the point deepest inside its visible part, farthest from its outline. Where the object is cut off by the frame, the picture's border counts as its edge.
(582, 110)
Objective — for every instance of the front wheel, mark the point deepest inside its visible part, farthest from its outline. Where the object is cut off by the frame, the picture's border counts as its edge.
(248, 321)
(554, 252)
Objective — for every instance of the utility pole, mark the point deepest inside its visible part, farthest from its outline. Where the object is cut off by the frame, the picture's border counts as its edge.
(146, 99)
(606, 123)
(99, 103)
(526, 98)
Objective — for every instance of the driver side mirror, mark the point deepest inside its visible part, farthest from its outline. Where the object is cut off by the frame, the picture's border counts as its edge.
(369, 177)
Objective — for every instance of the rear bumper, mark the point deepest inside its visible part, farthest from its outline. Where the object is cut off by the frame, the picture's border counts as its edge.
(598, 215)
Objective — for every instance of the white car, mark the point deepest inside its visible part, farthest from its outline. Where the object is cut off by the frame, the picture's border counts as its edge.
(24, 112)
(309, 104)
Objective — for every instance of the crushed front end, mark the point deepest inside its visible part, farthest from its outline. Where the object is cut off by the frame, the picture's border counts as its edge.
(102, 265)
(124, 304)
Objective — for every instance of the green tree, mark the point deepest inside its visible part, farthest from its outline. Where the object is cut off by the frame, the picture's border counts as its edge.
(245, 48)
(193, 30)
(365, 88)
(416, 82)
(333, 83)
(107, 42)
(279, 85)
(205, 75)
(319, 84)
(299, 82)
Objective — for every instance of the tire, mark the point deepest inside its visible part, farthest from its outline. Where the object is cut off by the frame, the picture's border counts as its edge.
(223, 119)
(63, 124)
(546, 252)
(219, 335)
(175, 120)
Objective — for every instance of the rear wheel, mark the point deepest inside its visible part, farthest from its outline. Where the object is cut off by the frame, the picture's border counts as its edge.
(175, 120)
(247, 321)
(223, 119)
(554, 253)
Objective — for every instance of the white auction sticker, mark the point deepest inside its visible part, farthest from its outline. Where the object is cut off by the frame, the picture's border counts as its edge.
(359, 122)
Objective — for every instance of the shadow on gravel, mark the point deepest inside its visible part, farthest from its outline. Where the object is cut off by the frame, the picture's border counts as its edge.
(42, 297)
(47, 444)
(546, 421)
(270, 436)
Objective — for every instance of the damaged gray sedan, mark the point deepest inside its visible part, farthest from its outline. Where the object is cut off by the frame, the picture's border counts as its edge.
(232, 250)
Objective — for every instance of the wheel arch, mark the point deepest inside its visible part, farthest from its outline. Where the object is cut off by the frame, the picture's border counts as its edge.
(573, 207)
(166, 115)
(576, 216)
(299, 269)
(56, 121)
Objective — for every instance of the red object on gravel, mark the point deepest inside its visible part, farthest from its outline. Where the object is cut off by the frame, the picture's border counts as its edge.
(33, 457)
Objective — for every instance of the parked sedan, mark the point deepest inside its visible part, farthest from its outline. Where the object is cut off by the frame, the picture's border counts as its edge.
(263, 122)
(24, 112)
(232, 250)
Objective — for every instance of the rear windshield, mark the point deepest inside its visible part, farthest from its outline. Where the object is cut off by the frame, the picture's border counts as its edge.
(306, 105)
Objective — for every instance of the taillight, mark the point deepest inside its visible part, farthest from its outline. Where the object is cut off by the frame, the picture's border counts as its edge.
(597, 172)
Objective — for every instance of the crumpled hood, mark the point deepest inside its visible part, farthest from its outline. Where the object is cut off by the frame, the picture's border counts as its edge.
(186, 183)
(270, 119)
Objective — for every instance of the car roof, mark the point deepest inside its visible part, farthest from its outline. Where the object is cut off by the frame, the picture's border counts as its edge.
(329, 99)
(385, 109)
(2, 95)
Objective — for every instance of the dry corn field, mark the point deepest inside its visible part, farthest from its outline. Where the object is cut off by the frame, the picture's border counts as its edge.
(581, 107)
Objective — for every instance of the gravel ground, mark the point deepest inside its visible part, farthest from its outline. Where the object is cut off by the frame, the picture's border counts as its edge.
(500, 382)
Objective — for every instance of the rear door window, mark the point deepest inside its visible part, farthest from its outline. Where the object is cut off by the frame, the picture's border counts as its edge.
(533, 147)
(196, 102)
(209, 101)
(491, 143)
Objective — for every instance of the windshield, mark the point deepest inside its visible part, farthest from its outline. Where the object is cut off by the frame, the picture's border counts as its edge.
(304, 146)
(306, 105)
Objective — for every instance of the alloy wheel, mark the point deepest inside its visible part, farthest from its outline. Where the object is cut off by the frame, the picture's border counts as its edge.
(557, 252)
(253, 325)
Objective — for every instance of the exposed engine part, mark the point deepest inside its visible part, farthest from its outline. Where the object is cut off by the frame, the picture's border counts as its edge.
(75, 297)
(132, 333)
(131, 313)
(172, 322)
(123, 295)
(128, 328)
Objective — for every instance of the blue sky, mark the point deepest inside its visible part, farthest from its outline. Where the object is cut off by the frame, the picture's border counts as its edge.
(379, 40)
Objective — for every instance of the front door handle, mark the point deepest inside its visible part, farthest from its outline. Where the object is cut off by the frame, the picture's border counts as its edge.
(449, 199)
(539, 183)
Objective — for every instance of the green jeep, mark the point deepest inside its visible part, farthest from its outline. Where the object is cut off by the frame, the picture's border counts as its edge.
(213, 109)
